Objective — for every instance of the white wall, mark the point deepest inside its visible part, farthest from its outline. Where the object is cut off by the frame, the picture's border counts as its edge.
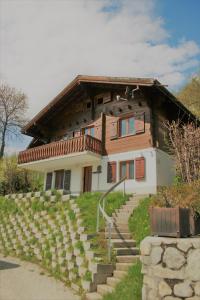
(158, 171)
(146, 186)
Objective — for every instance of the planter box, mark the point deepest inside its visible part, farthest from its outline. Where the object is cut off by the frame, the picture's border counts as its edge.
(194, 224)
(172, 222)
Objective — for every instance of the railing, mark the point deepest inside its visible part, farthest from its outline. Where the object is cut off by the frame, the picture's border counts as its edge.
(77, 144)
(101, 209)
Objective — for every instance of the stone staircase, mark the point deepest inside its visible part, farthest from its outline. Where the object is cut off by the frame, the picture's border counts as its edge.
(124, 246)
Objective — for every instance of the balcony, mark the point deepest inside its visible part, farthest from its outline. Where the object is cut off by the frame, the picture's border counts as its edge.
(83, 148)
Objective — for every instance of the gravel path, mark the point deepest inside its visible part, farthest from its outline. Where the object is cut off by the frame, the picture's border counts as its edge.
(24, 281)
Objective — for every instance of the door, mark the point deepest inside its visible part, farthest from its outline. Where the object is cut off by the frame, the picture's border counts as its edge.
(59, 178)
(87, 179)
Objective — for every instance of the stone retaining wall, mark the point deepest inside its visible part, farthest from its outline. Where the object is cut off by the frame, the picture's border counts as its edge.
(171, 268)
(46, 228)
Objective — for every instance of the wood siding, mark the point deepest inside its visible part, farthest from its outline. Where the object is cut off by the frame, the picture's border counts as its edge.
(104, 117)
(116, 144)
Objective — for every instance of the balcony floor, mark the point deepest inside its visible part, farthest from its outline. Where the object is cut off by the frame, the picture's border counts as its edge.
(62, 162)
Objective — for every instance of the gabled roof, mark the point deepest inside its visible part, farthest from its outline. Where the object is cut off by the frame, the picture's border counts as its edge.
(149, 82)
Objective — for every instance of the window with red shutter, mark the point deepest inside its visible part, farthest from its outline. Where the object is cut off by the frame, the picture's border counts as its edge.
(140, 168)
(127, 169)
(111, 172)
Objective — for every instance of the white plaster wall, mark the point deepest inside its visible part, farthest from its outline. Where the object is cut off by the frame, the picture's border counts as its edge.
(159, 171)
(146, 186)
(165, 168)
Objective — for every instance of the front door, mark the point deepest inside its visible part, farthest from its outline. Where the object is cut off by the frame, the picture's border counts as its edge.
(87, 179)
(59, 177)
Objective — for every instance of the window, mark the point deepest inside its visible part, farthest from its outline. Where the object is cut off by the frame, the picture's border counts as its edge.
(100, 101)
(89, 131)
(111, 172)
(77, 133)
(127, 169)
(127, 126)
(88, 105)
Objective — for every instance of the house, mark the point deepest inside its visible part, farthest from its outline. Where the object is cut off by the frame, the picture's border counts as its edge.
(101, 129)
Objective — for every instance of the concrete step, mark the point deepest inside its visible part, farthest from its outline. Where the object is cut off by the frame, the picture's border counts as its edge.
(120, 224)
(103, 289)
(127, 258)
(119, 274)
(100, 278)
(113, 281)
(132, 202)
(120, 243)
(127, 251)
(121, 220)
(117, 235)
(123, 266)
(130, 205)
(118, 229)
(93, 296)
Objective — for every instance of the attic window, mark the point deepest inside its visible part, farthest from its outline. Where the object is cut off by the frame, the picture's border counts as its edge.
(88, 105)
(100, 101)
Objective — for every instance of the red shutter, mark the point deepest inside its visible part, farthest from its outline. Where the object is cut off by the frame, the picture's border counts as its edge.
(114, 130)
(140, 168)
(98, 132)
(140, 123)
(111, 172)
(48, 181)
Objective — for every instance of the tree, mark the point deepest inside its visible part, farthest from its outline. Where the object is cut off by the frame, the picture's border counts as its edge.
(13, 105)
(185, 145)
(14, 179)
(190, 95)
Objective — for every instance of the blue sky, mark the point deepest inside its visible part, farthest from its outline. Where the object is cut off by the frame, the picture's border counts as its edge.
(182, 18)
(141, 38)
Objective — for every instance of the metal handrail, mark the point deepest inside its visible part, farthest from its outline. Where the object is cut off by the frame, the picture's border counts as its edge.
(101, 209)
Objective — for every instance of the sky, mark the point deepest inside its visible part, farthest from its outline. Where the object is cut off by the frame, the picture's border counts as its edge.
(44, 44)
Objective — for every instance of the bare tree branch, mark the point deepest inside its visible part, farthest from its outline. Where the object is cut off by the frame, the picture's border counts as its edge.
(13, 106)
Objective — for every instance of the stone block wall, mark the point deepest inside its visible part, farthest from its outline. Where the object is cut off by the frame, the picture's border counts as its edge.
(47, 229)
(171, 268)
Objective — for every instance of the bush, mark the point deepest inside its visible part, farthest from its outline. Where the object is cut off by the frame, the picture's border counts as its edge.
(184, 195)
(14, 179)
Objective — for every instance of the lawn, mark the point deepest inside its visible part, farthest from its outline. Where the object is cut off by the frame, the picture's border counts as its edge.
(88, 203)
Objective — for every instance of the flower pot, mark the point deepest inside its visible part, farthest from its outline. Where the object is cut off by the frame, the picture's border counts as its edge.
(171, 222)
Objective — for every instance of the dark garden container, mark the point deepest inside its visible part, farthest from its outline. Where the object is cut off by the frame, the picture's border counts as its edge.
(194, 223)
(170, 222)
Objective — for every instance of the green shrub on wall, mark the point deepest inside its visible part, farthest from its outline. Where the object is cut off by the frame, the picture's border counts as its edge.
(14, 179)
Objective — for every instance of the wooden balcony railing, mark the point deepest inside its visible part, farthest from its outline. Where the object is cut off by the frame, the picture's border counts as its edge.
(77, 144)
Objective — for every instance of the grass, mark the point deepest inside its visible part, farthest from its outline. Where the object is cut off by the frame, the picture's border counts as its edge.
(139, 222)
(130, 288)
(88, 203)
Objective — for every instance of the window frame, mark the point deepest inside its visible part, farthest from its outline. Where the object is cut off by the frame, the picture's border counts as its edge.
(89, 129)
(127, 169)
(127, 124)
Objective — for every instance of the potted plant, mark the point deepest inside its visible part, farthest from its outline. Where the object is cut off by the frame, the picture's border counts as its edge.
(175, 211)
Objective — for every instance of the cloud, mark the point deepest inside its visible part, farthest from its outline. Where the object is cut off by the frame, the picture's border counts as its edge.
(46, 43)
